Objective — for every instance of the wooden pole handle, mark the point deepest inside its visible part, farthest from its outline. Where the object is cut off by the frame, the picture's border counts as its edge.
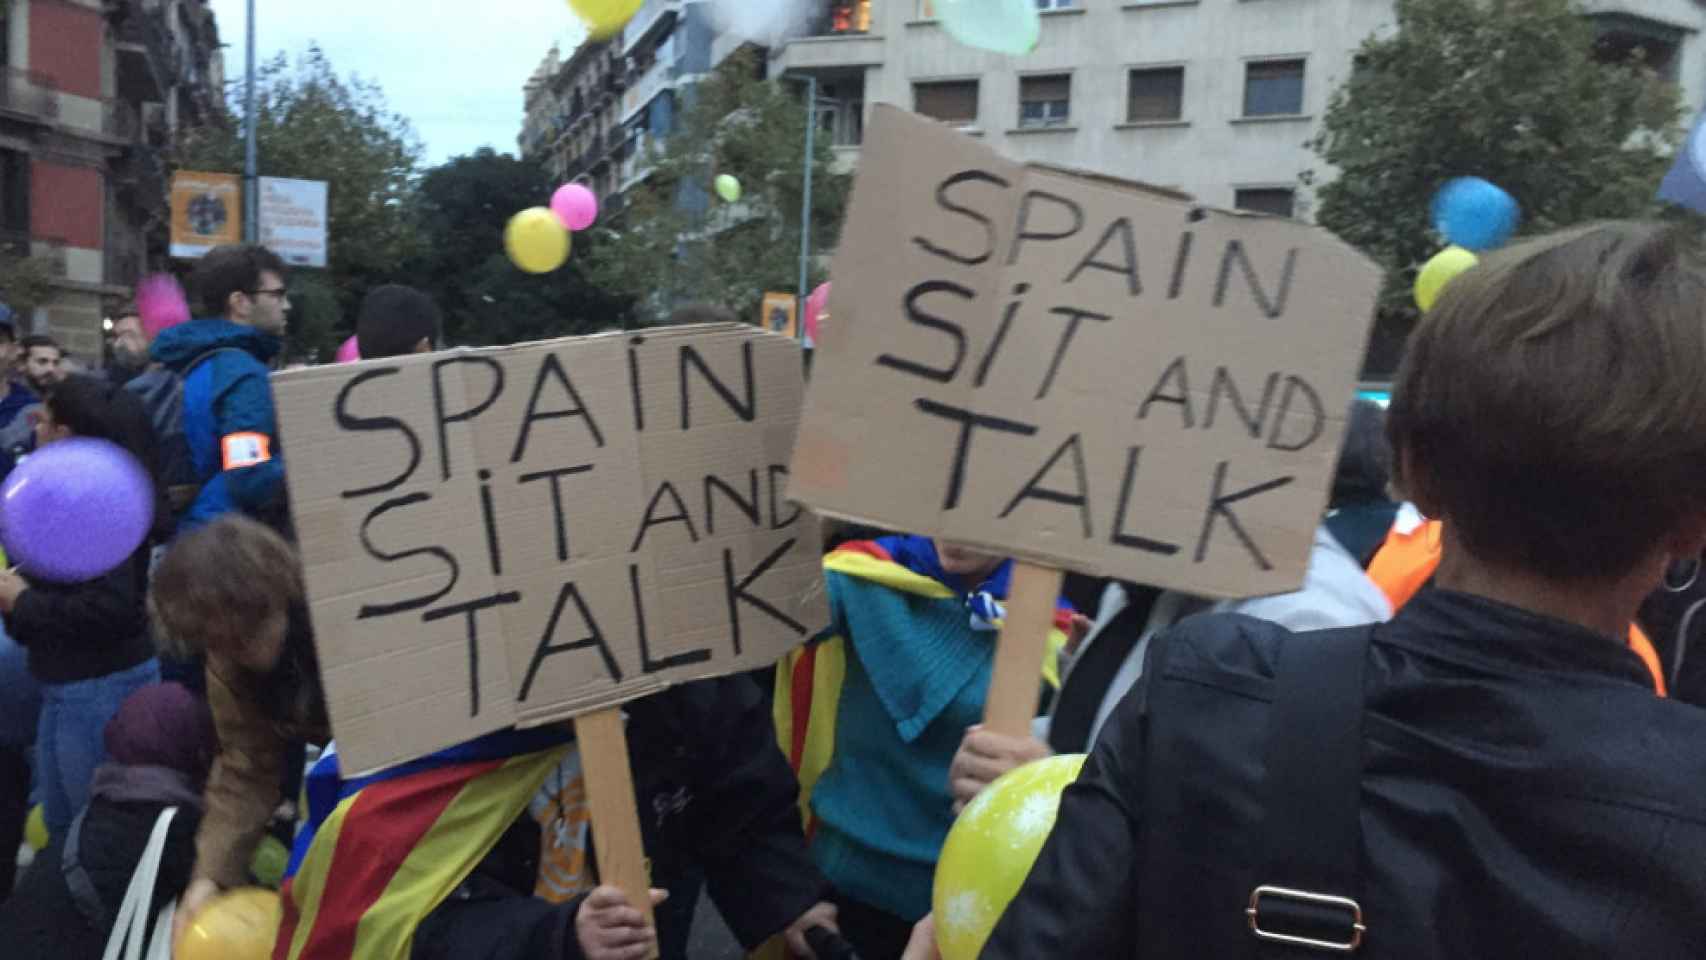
(603, 742)
(1031, 600)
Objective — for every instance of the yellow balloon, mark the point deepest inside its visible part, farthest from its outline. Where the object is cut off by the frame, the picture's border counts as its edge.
(605, 17)
(240, 925)
(35, 829)
(991, 849)
(1441, 270)
(536, 240)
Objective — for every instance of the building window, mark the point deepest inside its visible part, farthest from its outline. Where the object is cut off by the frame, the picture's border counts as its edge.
(1622, 38)
(1273, 88)
(1045, 101)
(1278, 201)
(1155, 94)
(952, 101)
(850, 16)
(1056, 4)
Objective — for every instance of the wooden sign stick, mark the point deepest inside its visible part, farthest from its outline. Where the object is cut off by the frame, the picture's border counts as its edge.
(1013, 690)
(603, 742)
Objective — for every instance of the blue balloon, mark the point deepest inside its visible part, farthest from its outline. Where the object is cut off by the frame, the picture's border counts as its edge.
(75, 509)
(1475, 214)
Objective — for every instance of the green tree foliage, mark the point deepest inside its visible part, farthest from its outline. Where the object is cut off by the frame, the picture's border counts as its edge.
(676, 242)
(460, 210)
(1511, 90)
(313, 124)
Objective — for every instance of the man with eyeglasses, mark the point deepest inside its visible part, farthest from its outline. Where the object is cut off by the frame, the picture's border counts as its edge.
(222, 359)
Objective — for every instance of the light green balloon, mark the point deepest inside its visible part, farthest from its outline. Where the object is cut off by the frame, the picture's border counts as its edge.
(1004, 26)
(728, 188)
(991, 849)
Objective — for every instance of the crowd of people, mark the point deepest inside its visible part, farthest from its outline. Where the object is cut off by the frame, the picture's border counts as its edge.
(1474, 730)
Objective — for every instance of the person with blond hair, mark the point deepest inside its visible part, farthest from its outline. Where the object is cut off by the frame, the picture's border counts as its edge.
(1491, 774)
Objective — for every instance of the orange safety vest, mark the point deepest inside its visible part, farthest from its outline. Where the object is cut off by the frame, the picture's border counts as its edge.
(1407, 560)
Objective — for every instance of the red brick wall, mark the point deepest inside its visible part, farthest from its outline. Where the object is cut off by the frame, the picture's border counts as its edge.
(65, 203)
(66, 42)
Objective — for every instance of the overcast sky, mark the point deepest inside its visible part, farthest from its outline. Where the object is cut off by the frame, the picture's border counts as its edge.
(455, 69)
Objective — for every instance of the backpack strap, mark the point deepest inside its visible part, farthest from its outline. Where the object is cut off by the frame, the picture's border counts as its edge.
(77, 879)
(1306, 896)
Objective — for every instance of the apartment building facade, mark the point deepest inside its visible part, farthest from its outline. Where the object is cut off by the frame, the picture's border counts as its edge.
(594, 116)
(1218, 98)
(93, 97)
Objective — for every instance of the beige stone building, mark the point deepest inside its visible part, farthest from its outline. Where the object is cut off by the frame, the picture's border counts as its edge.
(1214, 97)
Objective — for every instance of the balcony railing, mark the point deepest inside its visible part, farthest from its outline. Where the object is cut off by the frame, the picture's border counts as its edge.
(29, 92)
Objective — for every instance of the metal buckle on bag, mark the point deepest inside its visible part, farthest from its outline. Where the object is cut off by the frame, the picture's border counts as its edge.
(1352, 909)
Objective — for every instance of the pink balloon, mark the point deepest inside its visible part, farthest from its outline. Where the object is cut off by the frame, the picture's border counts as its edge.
(817, 306)
(348, 351)
(160, 303)
(575, 206)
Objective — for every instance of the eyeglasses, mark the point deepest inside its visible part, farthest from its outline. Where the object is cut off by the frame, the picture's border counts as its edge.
(279, 292)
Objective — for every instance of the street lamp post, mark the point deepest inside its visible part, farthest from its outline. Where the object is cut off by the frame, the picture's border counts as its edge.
(251, 198)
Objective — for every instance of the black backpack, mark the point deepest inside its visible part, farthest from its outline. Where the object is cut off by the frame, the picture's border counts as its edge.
(161, 391)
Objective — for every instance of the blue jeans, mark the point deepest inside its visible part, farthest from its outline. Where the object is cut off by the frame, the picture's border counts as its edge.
(70, 743)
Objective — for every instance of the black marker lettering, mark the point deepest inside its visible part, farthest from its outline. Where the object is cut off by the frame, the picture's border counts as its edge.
(647, 664)
(737, 593)
(776, 523)
(634, 385)
(471, 610)
(552, 367)
(748, 506)
(932, 322)
(1235, 251)
(369, 610)
(1074, 318)
(347, 421)
(490, 516)
(1019, 290)
(556, 478)
(1179, 262)
(593, 639)
(1024, 231)
(679, 516)
(1127, 265)
(446, 419)
(964, 176)
(746, 411)
(968, 422)
(1080, 495)
(1123, 539)
(1224, 384)
(1219, 506)
(1318, 422)
(1182, 399)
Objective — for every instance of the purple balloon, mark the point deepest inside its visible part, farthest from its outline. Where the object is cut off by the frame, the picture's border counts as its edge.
(75, 509)
(575, 206)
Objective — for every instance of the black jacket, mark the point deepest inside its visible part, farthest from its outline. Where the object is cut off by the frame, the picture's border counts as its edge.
(1524, 794)
(717, 809)
(80, 631)
(44, 919)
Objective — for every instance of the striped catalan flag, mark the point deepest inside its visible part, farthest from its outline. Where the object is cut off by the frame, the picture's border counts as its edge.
(380, 852)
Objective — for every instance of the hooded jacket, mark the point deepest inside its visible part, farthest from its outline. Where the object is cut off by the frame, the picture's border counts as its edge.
(229, 419)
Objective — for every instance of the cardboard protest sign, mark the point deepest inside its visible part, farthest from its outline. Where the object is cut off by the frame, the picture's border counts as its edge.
(530, 533)
(1080, 372)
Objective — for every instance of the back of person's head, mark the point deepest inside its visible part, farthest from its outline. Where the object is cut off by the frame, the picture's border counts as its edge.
(163, 725)
(228, 270)
(218, 582)
(1365, 459)
(92, 407)
(394, 321)
(702, 313)
(1551, 408)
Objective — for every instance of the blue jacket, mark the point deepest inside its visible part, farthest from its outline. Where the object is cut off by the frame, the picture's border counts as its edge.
(228, 417)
